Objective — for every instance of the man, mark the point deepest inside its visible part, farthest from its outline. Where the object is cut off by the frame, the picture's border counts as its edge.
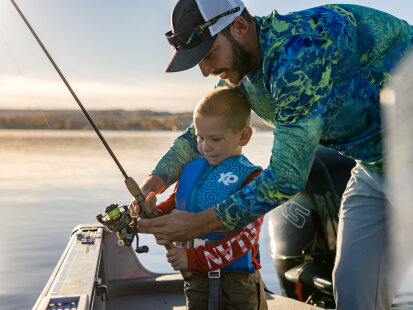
(315, 76)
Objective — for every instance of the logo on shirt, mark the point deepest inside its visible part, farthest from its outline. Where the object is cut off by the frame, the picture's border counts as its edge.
(227, 178)
(295, 213)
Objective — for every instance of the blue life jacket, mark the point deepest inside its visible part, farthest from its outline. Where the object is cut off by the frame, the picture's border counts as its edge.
(202, 186)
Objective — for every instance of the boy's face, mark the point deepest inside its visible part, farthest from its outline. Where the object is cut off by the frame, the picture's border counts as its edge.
(216, 141)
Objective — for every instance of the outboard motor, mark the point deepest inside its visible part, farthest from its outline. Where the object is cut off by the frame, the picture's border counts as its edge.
(303, 231)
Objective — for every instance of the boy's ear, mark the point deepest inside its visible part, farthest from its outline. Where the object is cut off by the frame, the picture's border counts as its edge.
(246, 134)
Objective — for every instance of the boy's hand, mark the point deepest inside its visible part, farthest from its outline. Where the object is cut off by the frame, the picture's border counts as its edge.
(134, 206)
(178, 258)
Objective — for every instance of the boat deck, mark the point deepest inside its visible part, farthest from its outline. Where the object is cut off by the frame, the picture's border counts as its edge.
(166, 292)
(96, 272)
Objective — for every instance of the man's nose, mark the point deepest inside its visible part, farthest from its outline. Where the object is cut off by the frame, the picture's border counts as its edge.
(206, 70)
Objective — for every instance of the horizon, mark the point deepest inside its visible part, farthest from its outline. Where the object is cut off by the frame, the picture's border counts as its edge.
(76, 108)
(112, 53)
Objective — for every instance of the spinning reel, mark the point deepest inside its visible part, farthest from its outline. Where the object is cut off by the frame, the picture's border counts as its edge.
(121, 222)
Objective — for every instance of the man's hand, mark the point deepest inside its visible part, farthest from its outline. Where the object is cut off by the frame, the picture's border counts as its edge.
(134, 207)
(180, 225)
(178, 258)
(152, 184)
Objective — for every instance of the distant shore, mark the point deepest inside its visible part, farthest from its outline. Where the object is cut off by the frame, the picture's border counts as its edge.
(104, 119)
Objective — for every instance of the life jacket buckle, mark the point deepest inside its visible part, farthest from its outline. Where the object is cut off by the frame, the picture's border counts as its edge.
(199, 242)
(215, 274)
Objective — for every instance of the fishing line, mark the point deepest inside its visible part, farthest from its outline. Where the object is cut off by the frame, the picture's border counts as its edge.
(24, 79)
(132, 186)
(35, 101)
(70, 90)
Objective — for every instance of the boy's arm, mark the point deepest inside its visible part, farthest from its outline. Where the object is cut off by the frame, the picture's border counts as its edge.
(168, 205)
(226, 251)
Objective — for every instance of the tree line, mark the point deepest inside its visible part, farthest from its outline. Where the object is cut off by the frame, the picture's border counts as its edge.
(104, 119)
(105, 122)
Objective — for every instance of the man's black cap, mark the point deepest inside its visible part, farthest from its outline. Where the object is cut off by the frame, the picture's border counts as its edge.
(189, 14)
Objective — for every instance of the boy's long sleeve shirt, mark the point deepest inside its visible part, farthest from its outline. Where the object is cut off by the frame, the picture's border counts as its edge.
(318, 82)
(220, 254)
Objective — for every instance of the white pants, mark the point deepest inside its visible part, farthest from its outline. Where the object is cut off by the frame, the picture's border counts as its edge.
(363, 277)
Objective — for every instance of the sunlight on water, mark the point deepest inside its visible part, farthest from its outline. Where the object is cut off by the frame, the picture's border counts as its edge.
(51, 181)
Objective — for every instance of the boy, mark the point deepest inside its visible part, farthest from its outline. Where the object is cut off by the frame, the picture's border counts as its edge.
(221, 122)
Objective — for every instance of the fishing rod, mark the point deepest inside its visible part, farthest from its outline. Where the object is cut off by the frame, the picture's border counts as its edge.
(130, 183)
(133, 187)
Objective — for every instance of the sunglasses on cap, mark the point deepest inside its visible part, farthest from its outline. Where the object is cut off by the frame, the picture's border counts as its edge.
(191, 38)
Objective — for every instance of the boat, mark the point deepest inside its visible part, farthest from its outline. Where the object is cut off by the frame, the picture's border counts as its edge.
(96, 271)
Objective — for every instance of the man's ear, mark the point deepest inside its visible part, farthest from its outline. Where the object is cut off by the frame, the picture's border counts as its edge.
(246, 134)
(239, 28)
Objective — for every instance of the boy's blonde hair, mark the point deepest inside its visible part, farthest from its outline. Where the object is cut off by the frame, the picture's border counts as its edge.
(229, 103)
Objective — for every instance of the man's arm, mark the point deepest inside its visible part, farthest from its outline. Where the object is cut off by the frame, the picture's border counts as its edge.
(299, 78)
(169, 167)
(183, 151)
(181, 225)
(152, 183)
(165, 173)
(300, 84)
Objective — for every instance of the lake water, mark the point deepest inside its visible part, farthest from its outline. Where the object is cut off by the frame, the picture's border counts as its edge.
(51, 181)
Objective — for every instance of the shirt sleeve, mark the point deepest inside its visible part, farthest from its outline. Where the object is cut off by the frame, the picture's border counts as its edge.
(226, 251)
(168, 205)
(300, 84)
(183, 150)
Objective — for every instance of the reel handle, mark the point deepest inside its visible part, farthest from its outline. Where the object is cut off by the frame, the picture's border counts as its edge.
(146, 211)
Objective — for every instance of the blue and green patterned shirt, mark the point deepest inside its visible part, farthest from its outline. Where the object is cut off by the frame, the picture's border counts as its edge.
(317, 83)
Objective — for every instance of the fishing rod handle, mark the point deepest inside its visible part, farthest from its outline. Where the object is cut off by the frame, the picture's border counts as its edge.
(146, 210)
(136, 192)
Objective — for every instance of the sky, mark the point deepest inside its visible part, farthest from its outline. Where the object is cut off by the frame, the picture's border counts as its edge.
(113, 53)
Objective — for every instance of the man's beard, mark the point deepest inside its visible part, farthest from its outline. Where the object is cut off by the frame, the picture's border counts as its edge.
(241, 62)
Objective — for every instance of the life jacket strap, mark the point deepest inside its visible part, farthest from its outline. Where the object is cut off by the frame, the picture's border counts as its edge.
(214, 288)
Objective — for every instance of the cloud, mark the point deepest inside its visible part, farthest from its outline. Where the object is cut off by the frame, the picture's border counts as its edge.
(30, 93)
